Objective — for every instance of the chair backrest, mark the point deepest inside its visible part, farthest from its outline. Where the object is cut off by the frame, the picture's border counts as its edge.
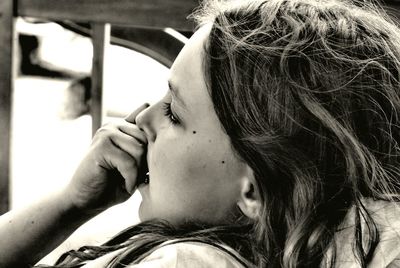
(100, 14)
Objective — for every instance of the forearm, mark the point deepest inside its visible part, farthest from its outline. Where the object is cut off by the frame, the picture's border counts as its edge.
(28, 234)
(105, 177)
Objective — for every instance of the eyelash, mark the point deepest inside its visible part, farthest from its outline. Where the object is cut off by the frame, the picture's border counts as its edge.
(168, 113)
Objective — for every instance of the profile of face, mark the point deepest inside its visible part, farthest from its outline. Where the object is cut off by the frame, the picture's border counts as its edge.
(194, 173)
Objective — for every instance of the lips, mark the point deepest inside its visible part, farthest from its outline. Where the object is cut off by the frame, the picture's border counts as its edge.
(147, 178)
(143, 174)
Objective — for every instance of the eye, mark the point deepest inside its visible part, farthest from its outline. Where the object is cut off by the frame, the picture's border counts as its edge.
(168, 113)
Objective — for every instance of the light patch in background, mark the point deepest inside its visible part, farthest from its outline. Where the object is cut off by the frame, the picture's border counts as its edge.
(45, 149)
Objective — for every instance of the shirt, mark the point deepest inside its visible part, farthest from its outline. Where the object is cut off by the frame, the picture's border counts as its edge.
(387, 219)
(179, 255)
(201, 255)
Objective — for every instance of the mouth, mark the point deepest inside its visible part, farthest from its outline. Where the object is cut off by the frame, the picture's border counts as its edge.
(147, 178)
(143, 174)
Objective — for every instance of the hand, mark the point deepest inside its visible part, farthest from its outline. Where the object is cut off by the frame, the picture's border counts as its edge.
(108, 173)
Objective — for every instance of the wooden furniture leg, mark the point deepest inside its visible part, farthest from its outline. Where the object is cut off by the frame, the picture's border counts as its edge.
(100, 38)
(6, 86)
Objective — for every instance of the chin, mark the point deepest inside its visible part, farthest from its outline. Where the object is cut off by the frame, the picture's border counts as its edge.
(142, 212)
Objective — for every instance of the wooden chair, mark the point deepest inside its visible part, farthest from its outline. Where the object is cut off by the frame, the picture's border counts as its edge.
(100, 14)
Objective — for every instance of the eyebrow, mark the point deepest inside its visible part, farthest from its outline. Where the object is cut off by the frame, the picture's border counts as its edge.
(175, 93)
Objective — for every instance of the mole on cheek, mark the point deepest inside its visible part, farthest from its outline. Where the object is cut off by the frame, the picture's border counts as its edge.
(194, 132)
(223, 162)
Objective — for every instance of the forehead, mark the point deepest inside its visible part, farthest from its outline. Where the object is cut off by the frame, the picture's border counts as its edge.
(187, 71)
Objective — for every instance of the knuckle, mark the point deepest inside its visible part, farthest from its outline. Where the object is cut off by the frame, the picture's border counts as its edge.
(107, 127)
(102, 144)
(105, 140)
(100, 133)
(102, 129)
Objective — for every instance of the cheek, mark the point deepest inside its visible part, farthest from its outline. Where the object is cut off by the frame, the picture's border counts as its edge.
(191, 177)
(189, 160)
(188, 172)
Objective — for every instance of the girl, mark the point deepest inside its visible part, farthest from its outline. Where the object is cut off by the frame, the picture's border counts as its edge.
(276, 145)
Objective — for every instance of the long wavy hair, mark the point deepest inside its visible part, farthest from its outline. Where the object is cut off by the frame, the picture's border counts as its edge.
(308, 92)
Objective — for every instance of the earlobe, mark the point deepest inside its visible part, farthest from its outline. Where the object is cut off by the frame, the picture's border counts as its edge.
(249, 200)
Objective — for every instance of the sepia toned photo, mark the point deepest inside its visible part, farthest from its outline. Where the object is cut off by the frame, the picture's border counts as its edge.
(199, 133)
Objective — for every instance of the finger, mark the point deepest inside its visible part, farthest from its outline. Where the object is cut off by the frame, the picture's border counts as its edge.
(128, 144)
(131, 118)
(118, 192)
(127, 166)
(133, 131)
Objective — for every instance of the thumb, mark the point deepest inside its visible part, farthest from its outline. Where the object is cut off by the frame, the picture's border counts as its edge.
(132, 116)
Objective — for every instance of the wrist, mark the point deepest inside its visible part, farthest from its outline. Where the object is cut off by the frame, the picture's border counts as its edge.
(73, 211)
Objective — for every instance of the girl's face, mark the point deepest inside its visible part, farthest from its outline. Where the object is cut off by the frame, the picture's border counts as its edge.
(194, 173)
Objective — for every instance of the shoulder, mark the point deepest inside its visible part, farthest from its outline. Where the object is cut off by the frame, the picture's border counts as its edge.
(190, 254)
(387, 219)
(386, 216)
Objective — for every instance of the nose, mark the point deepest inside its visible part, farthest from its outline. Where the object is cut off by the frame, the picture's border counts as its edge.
(144, 120)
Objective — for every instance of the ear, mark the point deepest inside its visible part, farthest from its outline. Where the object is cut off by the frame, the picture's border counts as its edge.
(249, 200)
